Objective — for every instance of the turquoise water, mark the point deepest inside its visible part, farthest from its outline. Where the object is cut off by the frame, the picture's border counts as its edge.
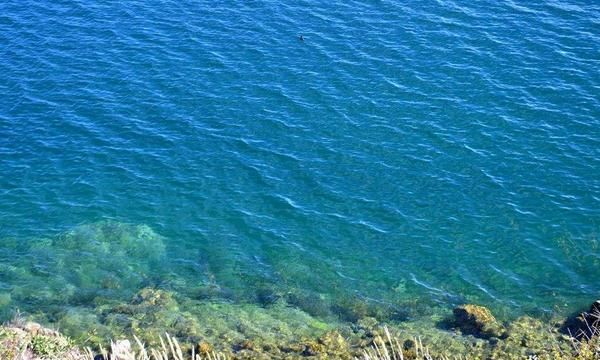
(407, 156)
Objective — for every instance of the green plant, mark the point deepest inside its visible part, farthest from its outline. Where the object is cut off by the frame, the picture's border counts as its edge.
(49, 346)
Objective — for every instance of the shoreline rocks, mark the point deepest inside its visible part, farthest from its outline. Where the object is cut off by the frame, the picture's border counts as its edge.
(480, 336)
(583, 325)
(32, 341)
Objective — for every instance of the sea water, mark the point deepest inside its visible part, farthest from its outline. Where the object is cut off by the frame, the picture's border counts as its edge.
(398, 158)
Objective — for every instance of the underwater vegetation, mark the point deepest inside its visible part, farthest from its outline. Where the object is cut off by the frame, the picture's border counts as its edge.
(21, 340)
(111, 280)
(106, 259)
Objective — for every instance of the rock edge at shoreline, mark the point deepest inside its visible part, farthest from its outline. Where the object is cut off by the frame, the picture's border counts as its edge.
(475, 333)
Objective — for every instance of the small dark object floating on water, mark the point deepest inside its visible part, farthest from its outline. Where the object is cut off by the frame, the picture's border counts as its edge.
(301, 38)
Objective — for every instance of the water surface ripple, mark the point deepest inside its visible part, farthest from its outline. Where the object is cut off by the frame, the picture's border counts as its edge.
(437, 150)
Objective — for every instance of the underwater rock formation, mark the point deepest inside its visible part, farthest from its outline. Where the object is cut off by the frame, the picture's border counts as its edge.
(527, 338)
(105, 259)
(71, 280)
(477, 321)
(110, 280)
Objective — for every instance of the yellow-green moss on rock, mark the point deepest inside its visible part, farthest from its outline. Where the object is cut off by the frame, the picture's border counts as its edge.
(477, 321)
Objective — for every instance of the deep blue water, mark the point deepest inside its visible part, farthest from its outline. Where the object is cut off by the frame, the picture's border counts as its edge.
(432, 151)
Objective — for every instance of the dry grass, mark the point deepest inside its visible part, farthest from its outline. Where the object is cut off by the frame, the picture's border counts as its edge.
(588, 345)
(390, 349)
(169, 350)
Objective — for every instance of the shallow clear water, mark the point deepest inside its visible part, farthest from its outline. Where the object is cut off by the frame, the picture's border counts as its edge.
(408, 156)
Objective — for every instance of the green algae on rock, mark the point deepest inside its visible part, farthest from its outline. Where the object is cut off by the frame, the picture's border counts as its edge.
(110, 280)
(107, 259)
(478, 321)
(526, 338)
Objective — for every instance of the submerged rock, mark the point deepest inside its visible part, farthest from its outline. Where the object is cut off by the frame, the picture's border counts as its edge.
(333, 340)
(154, 297)
(331, 345)
(105, 259)
(204, 348)
(583, 325)
(261, 335)
(477, 321)
(311, 303)
(531, 338)
(355, 308)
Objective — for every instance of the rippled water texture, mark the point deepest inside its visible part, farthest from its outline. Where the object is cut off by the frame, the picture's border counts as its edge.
(404, 155)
